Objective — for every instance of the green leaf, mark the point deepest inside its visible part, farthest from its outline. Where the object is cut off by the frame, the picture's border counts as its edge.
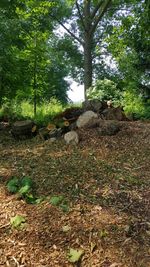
(17, 221)
(24, 189)
(75, 255)
(30, 199)
(64, 207)
(26, 181)
(13, 185)
(103, 233)
(56, 200)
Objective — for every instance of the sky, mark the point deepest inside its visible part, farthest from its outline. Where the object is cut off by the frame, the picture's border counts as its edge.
(76, 92)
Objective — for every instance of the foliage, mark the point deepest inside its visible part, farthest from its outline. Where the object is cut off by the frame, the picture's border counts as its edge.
(61, 202)
(20, 110)
(17, 222)
(75, 255)
(13, 185)
(134, 105)
(27, 66)
(104, 90)
(129, 45)
(23, 187)
(56, 200)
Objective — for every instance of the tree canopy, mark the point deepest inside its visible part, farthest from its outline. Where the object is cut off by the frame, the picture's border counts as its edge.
(101, 40)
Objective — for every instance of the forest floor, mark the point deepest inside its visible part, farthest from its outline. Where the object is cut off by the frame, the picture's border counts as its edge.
(105, 181)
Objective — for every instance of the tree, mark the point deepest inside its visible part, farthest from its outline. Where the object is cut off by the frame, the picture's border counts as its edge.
(129, 45)
(27, 67)
(86, 15)
(89, 21)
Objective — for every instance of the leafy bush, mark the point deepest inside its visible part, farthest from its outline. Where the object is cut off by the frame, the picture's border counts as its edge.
(133, 104)
(104, 90)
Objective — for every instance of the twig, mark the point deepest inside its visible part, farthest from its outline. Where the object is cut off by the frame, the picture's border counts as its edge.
(5, 225)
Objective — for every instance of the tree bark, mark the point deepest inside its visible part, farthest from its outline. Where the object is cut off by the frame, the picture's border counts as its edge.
(35, 77)
(88, 70)
(89, 20)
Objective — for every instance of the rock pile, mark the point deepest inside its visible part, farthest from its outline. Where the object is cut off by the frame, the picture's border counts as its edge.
(92, 114)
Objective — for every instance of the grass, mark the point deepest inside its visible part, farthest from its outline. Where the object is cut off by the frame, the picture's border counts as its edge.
(24, 110)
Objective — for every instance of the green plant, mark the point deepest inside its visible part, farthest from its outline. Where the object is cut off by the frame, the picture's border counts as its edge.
(13, 185)
(23, 187)
(75, 255)
(18, 222)
(104, 90)
(61, 202)
(133, 104)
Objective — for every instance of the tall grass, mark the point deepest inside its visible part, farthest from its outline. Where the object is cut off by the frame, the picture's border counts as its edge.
(13, 110)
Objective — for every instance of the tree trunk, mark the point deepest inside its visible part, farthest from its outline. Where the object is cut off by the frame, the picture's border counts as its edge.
(88, 71)
(35, 76)
(22, 129)
(35, 85)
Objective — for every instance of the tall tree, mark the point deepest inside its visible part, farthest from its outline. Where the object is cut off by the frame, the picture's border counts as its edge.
(86, 16)
(129, 44)
(27, 66)
(88, 23)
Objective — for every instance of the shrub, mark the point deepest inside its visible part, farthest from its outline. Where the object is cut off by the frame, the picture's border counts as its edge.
(104, 90)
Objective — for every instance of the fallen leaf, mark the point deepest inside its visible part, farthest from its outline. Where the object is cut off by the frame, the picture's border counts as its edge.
(93, 246)
(66, 228)
(75, 255)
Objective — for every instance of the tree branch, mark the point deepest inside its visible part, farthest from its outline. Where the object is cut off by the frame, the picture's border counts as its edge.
(80, 15)
(98, 18)
(96, 9)
(71, 33)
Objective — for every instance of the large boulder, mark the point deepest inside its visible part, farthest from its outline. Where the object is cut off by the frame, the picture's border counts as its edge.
(71, 138)
(95, 105)
(85, 118)
(114, 114)
(107, 127)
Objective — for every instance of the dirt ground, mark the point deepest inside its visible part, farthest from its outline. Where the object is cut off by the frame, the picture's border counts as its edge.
(105, 181)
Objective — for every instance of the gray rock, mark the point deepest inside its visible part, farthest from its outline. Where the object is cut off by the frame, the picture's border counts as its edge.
(71, 138)
(108, 128)
(85, 118)
(93, 123)
(114, 114)
(95, 105)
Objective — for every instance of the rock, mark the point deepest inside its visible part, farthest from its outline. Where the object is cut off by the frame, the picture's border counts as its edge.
(93, 123)
(114, 114)
(85, 118)
(95, 105)
(71, 138)
(108, 128)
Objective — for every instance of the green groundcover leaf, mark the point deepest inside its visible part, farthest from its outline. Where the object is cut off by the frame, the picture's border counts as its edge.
(26, 181)
(17, 221)
(75, 255)
(56, 200)
(13, 185)
(24, 189)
